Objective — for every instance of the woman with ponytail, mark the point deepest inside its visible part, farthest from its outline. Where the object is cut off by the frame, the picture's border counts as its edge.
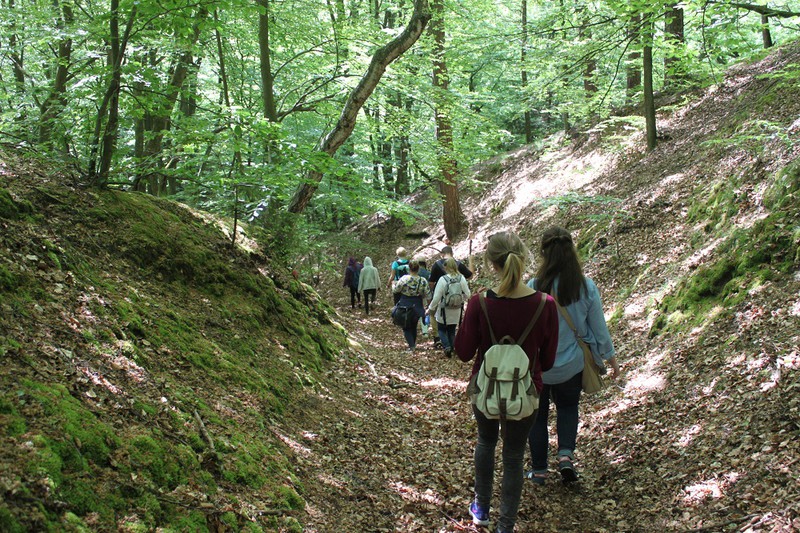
(510, 306)
(560, 274)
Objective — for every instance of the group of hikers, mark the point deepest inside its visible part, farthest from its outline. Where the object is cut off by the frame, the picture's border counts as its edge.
(555, 321)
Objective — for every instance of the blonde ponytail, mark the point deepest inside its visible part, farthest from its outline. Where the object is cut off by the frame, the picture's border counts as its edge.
(507, 253)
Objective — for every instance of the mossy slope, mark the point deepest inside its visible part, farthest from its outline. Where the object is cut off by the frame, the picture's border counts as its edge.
(127, 323)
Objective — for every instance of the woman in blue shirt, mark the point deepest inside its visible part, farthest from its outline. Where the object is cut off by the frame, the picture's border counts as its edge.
(561, 275)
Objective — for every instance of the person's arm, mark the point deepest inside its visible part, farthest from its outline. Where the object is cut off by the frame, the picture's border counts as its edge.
(549, 347)
(465, 288)
(391, 277)
(464, 271)
(400, 284)
(468, 335)
(437, 298)
(601, 344)
(347, 277)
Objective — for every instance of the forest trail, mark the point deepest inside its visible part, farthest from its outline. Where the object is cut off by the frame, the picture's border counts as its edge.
(389, 445)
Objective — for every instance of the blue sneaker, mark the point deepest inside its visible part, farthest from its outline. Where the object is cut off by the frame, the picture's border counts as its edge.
(480, 516)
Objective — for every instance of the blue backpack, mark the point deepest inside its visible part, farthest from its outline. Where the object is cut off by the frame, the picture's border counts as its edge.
(402, 269)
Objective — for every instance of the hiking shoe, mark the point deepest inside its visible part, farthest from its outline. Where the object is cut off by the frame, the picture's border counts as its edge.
(480, 516)
(567, 470)
(539, 478)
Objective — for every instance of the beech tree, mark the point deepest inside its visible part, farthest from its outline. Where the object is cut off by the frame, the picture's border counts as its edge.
(381, 59)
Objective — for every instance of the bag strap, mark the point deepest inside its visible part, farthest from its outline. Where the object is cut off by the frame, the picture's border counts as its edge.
(528, 329)
(568, 319)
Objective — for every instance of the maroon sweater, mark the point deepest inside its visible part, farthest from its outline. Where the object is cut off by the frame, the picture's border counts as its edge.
(510, 316)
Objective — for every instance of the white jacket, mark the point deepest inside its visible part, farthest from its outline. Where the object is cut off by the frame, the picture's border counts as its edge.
(453, 315)
(369, 278)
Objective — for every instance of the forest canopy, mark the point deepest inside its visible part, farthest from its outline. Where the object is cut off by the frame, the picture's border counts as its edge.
(225, 104)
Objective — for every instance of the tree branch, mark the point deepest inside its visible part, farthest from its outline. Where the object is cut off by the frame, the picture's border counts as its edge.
(763, 10)
(382, 58)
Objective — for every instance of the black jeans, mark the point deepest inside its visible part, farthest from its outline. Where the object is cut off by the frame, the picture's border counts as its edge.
(354, 294)
(369, 294)
(514, 441)
(566, 396)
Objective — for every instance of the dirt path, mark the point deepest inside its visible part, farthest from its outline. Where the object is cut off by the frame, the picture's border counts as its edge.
(387, 446)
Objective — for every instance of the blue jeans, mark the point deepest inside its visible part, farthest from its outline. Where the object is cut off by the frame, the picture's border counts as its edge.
(410, 333)
(446, 334)
(566, 396)
(516, 433)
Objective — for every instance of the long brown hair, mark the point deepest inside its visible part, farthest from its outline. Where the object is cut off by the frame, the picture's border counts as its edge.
(506, 250)
(560, 260)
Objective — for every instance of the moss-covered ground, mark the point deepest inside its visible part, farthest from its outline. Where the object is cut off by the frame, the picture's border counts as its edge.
(127, 323)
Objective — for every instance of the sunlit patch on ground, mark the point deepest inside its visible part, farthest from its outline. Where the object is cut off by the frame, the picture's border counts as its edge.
(97, 379)
(443, 383)
(688, 435)
(296, 447)
(644, 382)
(709, 489)
(410, 493)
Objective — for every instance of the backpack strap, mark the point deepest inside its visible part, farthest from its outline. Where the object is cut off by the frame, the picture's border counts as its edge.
(542, 301)
(482, 300)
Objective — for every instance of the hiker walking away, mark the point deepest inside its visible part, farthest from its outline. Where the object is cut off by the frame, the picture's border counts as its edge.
(560, 274)
(437, 271)
(369, 282)
(447, 304)
(399, 269)
(512, 307)
(412, 290)
(425, 273)
(352, 274)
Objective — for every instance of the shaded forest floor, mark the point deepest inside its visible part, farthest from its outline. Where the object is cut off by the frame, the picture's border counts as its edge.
(390, 445)
(695, 249)
(387, 446)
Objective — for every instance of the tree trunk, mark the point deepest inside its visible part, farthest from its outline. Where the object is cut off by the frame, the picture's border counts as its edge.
(649, 101)
(56, 100)
(383, 57)
(766, 35)
(633, 70)
(523, 57)
(16, 56)
(589, 85)
(448, 181)
(267, 78)
(159, 121)
(110, 101)
(675, 36)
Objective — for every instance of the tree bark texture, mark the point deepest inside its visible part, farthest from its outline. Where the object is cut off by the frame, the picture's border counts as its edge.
(675, 35)
(56, 100)
(524, 74)
(633, 69)
(766, 34)
(649, 101)
(382, 58)
(159, 121)
(452, 215)
(267, 78)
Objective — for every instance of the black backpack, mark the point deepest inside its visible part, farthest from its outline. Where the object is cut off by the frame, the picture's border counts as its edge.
(355, 277)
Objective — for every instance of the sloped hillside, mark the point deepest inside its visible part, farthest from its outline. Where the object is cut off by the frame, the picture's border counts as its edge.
(143, 363)
(150, 373)
(696, 248)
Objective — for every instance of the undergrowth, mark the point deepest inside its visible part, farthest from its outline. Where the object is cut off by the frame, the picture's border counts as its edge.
(163, 327)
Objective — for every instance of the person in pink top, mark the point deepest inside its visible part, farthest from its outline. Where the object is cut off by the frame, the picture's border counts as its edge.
(511, 306)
